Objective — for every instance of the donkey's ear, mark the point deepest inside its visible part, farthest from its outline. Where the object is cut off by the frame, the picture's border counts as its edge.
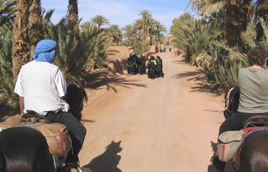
(83, 83)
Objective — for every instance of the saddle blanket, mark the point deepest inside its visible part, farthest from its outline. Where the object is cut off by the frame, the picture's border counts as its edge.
(56, 134)
(230, 141)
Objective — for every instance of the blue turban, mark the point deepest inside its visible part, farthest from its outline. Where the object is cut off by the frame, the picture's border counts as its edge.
(45, 51)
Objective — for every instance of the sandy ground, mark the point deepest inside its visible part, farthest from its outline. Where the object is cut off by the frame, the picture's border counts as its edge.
(168, 124)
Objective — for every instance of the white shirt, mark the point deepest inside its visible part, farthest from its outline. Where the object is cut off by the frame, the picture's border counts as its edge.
(42, 85)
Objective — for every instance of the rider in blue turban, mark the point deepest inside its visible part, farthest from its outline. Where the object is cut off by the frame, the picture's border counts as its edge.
(45, 51)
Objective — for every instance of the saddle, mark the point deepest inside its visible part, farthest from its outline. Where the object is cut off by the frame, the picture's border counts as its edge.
(251, 125)
(229, 142)
(256, 121)
(56, 134)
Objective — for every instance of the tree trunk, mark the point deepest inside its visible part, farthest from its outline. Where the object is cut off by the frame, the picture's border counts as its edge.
(20, 46)
(35, 24)
(235, 21)
(73, 26)
(261, 12)
(135, 44)
(143, 33)
(73, 13)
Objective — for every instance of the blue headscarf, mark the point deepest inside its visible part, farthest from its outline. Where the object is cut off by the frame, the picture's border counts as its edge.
(45, 51)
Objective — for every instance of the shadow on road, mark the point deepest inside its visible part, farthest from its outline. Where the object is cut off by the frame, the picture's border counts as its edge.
(98, 79)
(211, 168)
(108, 161)
(202, 84)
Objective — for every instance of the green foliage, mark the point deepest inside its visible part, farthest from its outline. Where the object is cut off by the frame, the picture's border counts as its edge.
(222, 64)
(7, 14)
(6, 84)
(249, 35)
(264, 25)
(192, 35)
(88, 52)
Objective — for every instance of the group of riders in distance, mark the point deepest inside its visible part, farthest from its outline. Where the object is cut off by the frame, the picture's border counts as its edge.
(137, 65)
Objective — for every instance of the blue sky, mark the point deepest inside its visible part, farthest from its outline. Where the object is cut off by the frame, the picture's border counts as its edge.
(120, 12)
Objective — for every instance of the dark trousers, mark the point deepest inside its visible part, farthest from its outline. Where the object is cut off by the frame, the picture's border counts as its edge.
(76, 129)
(236, 121)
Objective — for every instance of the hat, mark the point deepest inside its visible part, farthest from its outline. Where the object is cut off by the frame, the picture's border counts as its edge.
(45, 51)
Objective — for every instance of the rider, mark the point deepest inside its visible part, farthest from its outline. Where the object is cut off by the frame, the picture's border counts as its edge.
(151, 65)
(159, 66)
(253, 100)
(41, 88)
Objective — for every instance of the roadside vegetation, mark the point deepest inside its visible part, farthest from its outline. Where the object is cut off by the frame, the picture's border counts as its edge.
(82, 47)
(219, 36)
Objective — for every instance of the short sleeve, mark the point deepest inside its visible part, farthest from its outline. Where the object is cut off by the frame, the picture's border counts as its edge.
(60, 83)
(19, 86)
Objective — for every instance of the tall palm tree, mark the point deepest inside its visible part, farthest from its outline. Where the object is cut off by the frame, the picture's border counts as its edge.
(74, 28)
(145, 14)
(73, 19)
(20, 46)
(35, 24)
(73, 13)
(261, 12)
(99, 20)
(158, 29)
(149, 27)
(134, 35)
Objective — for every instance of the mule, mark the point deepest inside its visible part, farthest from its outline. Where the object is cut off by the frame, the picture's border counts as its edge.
(152, 70)
(141, 65)
(132, 65)
(24, 149)
(252, 155)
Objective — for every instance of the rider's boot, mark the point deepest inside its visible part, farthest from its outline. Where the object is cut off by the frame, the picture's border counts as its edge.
(73, 163)
(219, 165)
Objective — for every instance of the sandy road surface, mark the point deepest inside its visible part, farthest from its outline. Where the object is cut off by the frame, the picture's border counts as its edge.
(167, 124)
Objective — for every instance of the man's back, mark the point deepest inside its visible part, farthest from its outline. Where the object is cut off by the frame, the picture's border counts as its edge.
(41, 84)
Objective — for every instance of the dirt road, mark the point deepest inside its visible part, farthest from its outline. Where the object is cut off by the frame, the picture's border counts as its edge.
(167, 124)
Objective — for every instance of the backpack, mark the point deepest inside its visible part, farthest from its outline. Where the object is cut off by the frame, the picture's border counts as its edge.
(228, 144)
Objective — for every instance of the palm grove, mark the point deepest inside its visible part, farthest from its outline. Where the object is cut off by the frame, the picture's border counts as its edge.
(81, 46)
(220, 35)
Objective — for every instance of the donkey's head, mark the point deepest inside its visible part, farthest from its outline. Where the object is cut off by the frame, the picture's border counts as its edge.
(75, 97)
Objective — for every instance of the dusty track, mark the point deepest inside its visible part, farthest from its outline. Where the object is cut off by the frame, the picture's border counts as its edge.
(168, 124)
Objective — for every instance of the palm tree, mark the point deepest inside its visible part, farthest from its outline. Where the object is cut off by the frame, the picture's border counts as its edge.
(235, 16)
(235, 21)
(115, 33)
(158, 29)
(73, 13)
(149, 26)
(134, 35)
(205, 8)
(35, 24)
(85, 26)
(73, 19)
(20, 46)
(127, 33)
(99, 20)
(261, 12)
(7, 11)
(145, 14)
